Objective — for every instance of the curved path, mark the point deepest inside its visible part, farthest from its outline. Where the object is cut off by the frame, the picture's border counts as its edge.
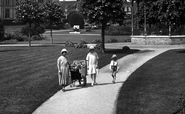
(100, 99)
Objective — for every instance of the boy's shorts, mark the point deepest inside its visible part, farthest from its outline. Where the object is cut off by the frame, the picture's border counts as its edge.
(114, 68)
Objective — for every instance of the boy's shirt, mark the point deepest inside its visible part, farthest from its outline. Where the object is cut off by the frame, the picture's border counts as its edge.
(113, 64)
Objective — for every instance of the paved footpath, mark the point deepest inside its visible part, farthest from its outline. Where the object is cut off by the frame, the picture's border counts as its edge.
(100, 99)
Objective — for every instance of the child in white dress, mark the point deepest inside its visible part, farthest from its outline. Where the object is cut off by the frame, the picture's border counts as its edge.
(114, 67)
(92, 64)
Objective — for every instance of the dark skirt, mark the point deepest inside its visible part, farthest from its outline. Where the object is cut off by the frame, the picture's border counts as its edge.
(75, 75)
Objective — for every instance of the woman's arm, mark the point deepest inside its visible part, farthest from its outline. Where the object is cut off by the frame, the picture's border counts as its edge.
(58, 64)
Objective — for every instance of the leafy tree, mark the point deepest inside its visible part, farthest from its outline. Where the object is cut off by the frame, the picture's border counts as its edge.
(36, 29)
(171, 11)
(53, 14)
(75, 18)
(29, 12)
(1, 30)
(102, 12)
(163, 12)
(151, 12)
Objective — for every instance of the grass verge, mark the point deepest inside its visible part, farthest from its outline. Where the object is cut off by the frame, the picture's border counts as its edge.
(154, 88)
(29, 75)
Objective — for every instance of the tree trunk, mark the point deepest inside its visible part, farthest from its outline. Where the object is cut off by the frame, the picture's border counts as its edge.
(51, 33)
(103, 36)
(51, 36)
(150, 28)
(137, 14)
(29, 35)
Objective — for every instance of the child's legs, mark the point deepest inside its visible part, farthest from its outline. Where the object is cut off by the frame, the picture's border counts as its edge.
(114, 75)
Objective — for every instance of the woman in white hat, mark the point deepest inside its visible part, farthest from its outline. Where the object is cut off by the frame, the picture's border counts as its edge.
(63, 69)
(92, 64)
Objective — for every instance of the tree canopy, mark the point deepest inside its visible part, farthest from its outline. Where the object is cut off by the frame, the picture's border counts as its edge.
(29, 12)
(164, 12)
(53, 15)
(102, 12)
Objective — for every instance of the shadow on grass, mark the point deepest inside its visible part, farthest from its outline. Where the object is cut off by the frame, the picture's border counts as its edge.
(180, 51)
(113, 51)
(145, 51)
(8, 50)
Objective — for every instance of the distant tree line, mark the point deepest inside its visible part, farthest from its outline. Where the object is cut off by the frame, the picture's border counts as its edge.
(163, 14)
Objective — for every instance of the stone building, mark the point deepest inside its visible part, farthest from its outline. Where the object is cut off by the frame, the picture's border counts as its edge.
(7, 9)
(8, 12)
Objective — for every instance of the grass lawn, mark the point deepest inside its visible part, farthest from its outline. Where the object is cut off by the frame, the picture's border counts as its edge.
(58, 38)
(155, 87)
(28, 75)
(82, 31)
(63, 35)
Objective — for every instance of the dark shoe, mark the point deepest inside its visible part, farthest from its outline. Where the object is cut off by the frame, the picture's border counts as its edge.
(63, 89)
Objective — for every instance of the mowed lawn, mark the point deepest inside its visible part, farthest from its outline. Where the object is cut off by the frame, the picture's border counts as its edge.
(28, 75)
(61, 36)
(155, 88)
(58, 38)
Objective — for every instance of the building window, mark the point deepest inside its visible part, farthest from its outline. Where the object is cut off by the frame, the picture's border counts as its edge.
(7, 2)
(7, 13)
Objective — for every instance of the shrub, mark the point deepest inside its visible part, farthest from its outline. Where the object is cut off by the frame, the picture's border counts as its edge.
(22, 38)
(15, 36)
(37, 37)
(137, 32)
(112, 40)
(81, 44)
(127, 40)
(75, 18)
(35, 30)
(69, 44)
(55, 26)
(98, 46)
(9, 36)
(1, 30)
(118, 30)
(179, 31)
(125, 48)
(96, 41)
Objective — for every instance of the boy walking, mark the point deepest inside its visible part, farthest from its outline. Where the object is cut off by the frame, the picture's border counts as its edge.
(114, 67)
